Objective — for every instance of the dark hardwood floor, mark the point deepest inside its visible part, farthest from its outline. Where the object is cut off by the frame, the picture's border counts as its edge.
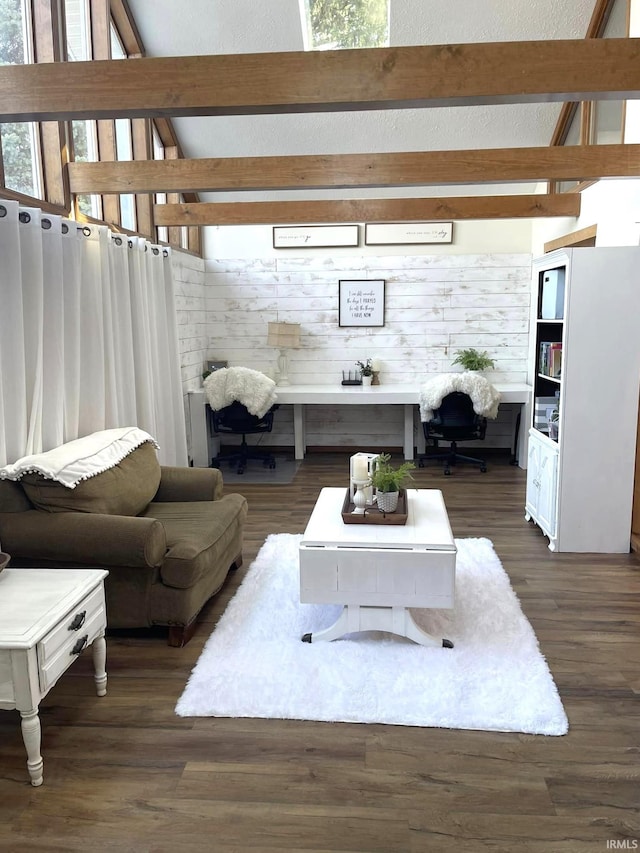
(124, 773)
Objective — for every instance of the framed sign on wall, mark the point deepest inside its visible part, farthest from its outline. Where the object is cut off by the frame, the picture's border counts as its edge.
(314, 236)
(361, 303)
(398, 233)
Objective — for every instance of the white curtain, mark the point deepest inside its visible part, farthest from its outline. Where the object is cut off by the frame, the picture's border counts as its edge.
(88, 336)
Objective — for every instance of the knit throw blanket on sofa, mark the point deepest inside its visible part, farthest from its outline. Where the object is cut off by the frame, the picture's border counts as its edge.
(483, 395)
(81, 458)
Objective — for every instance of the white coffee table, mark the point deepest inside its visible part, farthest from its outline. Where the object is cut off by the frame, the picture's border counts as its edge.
(379, 571)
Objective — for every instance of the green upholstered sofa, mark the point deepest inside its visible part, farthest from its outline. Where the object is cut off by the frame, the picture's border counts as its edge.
(167, 536)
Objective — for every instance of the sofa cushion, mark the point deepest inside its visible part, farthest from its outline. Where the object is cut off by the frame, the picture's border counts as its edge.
(198, 536)
(13, 497)
(125, 489)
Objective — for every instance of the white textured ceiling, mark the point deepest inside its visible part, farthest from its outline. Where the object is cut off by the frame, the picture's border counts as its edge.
(193, 27)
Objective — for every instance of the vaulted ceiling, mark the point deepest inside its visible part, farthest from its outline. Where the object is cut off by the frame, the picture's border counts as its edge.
(201, 27)
(462, 105)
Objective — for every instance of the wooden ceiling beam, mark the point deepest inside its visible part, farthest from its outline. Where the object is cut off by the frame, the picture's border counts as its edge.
(316, 81)
(421, 168)
(368, 210)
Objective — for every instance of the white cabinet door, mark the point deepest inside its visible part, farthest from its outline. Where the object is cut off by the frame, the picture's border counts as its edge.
(548, 490)
(533, 476)
(542, 485)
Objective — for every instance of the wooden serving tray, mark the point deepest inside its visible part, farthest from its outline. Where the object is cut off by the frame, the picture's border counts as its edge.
(373, 515)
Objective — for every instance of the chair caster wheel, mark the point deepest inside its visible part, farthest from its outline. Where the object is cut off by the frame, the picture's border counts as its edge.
(306, 638)
(447, 644)
(420, 463)
(483, 469)
(447, 472)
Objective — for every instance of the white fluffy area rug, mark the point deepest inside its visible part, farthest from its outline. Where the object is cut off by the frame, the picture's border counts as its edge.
(495, 678)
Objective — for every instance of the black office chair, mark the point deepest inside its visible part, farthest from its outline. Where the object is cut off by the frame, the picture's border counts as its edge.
(454, 421)
(235, 419)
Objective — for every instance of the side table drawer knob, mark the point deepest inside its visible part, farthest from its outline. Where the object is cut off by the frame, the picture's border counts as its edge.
(78, 621)
(79, 646)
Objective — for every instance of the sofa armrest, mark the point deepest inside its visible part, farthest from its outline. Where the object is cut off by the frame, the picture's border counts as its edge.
(88, 538)
(179, 485)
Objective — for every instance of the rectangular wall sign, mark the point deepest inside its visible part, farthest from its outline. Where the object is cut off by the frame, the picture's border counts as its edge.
(361, 303)
(314, 236)
(391, 233)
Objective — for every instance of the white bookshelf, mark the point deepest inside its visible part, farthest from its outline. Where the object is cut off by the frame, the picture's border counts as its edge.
(580, 485)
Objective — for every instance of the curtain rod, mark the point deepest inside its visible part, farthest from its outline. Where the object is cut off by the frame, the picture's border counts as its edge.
(45, 223)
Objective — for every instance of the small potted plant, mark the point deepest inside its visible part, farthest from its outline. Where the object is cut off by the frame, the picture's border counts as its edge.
(472, 359)
(388, 481)
(366, 371)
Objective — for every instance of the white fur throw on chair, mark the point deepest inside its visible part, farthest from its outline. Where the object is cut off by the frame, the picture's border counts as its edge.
(249, 387)
(483, 395)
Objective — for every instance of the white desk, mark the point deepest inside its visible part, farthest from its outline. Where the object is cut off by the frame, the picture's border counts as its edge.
(407, 396)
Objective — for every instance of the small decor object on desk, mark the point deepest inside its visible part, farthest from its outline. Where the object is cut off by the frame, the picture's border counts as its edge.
(471, 359)
(366, 371)
(375, 365)
(388, 481)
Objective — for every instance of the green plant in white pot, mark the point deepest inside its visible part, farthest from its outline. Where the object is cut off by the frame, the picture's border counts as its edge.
(388, 481)
(366, 371)
(473, 359)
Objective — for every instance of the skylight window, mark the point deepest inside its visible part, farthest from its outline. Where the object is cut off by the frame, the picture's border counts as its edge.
(335, 24)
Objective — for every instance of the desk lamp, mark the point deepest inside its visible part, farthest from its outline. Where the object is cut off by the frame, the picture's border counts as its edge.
(283, 336)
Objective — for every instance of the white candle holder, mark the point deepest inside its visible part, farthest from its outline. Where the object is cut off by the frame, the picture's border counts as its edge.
(361, 466)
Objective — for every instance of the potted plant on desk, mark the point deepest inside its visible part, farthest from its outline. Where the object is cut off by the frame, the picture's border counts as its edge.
(366, 371)
(472, 359)
(388, 481)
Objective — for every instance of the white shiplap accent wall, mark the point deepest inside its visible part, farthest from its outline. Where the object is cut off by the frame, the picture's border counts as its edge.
(434, 304)
(193, 335)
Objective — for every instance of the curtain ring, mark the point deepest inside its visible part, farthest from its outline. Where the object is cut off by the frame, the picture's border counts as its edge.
(25, 217)
(3, 210)
(86, 231)
(130, 243)
(46, 224)
(165, 254)
(145, 247)
(156, 250)
(65, 228)
(118, 241)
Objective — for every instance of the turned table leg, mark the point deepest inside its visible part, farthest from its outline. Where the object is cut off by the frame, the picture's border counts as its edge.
(31, 735)
(99, 650)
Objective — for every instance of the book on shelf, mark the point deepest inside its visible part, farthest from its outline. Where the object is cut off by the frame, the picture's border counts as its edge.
(550, 359)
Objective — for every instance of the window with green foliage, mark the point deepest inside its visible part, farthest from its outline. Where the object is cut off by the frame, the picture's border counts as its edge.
(334, 24)
(19, 140)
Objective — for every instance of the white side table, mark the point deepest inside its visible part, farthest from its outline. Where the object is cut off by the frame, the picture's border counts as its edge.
(47, 617)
